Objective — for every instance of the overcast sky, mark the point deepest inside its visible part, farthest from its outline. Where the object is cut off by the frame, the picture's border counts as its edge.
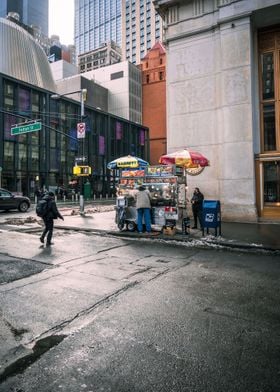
(61, 20)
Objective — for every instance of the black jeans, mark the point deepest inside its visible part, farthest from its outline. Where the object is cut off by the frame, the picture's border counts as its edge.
(48, 229)
(197, 213)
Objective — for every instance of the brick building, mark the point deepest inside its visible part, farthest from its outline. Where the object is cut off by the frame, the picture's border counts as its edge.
(154, 99)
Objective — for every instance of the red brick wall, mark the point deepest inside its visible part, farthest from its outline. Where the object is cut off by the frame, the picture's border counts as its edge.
(154, 102)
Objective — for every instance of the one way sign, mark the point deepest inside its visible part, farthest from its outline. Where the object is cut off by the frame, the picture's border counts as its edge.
(81, 130)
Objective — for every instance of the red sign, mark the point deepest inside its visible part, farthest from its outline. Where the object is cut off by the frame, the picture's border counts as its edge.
(81, 130)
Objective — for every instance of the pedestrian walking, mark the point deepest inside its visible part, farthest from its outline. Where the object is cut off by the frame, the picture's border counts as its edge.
(143, 206)
(197, 203)
(51, 213)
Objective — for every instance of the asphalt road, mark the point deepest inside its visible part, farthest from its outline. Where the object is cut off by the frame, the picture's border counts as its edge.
(98, 313)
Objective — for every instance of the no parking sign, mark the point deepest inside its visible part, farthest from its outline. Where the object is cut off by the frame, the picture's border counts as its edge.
(81, 130)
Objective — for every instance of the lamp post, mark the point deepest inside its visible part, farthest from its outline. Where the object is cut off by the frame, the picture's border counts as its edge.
(82, 93)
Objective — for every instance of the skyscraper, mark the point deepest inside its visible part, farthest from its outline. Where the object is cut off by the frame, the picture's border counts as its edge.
(141, 28)
(96, 22)
(131, 24)
(31, 12)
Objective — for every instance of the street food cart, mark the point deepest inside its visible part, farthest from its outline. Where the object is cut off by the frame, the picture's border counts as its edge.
(166, 185)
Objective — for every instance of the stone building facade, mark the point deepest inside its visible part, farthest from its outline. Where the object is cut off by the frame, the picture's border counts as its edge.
(223, 72)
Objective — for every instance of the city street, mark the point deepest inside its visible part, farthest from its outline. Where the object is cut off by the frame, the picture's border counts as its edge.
(97, 312)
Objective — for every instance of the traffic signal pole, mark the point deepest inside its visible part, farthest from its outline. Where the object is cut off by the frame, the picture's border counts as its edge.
(82, 199)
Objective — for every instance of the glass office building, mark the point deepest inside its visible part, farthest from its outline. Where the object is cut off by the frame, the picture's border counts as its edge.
(133, 24)
(96, 22)
(31, 12)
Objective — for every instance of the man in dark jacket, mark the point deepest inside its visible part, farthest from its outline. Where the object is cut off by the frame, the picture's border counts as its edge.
(197, 203)
(52, 214)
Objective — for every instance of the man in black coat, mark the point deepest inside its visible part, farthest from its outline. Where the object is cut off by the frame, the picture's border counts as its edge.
(52, 214)
(197, 203)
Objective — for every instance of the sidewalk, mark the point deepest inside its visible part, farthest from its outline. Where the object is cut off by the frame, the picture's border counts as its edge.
(264, 236)
(251, 236)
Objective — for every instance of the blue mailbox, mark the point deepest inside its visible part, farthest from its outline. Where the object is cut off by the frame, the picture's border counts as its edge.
(211, 215)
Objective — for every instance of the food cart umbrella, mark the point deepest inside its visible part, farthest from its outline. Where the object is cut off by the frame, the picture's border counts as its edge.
(128, 161)
(185, 158)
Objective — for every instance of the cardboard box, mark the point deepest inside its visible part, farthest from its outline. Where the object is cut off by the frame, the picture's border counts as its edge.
(169, 230)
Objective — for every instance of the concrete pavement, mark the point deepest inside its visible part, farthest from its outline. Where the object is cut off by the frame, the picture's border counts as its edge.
(101, 219)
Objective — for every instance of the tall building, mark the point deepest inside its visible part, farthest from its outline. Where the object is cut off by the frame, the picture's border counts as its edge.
(141, 28)
(224, 99)
(107, 54)
(154, 99)
(96, 22)
(132, 24)
(123, 81)
(31, 12)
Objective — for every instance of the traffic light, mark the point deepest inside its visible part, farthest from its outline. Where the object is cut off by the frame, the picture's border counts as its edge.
(81, 171)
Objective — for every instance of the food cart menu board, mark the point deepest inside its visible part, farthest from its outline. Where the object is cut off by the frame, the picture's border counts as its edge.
(160, 171)
(133, 173)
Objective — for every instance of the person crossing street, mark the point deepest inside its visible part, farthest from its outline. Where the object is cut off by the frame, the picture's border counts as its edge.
(51, 214)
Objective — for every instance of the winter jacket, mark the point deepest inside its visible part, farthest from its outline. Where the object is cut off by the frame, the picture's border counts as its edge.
(197, 201)
(53, 212)
(143, 199)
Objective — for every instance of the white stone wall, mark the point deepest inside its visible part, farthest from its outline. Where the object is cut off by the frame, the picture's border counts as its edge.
(210, 110)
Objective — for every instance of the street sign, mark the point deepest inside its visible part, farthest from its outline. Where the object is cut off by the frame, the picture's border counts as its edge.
(81, 130)
(25, 128)
(80, 159)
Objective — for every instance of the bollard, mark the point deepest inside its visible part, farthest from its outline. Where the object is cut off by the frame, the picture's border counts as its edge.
(64, 198)
(76, 196)
(35, 199)
(106, 195)
(55, 198)
(94, 196)
(100, 197)
(73, 198)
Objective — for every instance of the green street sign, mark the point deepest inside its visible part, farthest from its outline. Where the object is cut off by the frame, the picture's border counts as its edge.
(19, 129)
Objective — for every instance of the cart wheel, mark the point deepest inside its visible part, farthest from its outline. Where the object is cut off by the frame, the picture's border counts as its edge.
(130, 226)
(120, 226)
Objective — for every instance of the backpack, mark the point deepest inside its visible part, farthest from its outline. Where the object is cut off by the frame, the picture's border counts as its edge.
(42, 208)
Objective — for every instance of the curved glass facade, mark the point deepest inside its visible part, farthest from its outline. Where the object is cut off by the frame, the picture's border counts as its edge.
(24, 59)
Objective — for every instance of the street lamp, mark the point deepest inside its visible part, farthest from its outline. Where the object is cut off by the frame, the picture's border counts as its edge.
(83, 93)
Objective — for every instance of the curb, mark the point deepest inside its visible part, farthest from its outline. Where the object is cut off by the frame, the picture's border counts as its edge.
(185, 239)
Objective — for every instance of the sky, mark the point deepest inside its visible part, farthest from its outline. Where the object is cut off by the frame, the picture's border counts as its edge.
(61, 20)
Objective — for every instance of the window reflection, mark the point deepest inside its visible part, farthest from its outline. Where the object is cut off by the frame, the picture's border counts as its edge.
(269, 127)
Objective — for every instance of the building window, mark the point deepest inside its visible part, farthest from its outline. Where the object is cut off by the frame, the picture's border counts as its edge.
(147, 78)
(271, 171)
(117, 75)
(269, 76)
(269, 95)
(160, 75)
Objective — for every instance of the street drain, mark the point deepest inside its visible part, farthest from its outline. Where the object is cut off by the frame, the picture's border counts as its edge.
(40, 348)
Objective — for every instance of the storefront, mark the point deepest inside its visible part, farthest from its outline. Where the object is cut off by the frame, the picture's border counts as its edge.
(268, 161)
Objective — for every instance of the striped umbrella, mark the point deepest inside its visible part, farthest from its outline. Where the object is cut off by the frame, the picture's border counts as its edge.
(185, 158)
(128, 161)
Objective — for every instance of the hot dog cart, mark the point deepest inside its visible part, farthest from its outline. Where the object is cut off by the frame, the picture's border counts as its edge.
(167, 189)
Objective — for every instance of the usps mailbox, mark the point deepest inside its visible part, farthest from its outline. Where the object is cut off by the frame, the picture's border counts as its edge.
(211, 216)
